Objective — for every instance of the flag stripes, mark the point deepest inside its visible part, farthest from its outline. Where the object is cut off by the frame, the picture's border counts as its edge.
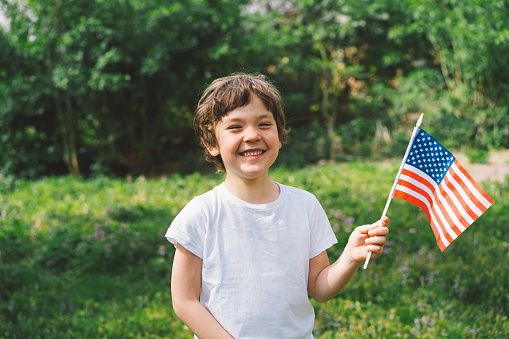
(451, 205)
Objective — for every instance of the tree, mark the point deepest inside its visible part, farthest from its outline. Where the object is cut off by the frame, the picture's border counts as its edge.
(29, 142)
(466, 40)
(123, 76)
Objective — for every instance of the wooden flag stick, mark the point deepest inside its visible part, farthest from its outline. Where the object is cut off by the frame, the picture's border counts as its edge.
(391, 195)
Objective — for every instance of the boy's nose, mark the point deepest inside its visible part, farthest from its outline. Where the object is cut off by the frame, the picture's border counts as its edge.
(252, 134)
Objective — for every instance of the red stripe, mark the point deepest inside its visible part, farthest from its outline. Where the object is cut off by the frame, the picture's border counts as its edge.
(454, 209)
(441, 245)
(477, 187)
(466, 189)
(416, 189)
(458, 196)
(434, 206)
(419, 203)
(418, 178)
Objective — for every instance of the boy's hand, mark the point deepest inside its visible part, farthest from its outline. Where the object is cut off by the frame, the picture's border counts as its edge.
(367, 238)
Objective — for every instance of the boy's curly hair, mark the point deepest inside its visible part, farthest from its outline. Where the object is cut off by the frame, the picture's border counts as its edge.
(224, 95)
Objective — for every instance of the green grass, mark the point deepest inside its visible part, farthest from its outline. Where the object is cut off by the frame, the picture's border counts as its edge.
(87, 259)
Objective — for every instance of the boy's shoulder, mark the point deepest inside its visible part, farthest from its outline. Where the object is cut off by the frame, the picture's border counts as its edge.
(298, 193)
(201, 206)
(207, 197)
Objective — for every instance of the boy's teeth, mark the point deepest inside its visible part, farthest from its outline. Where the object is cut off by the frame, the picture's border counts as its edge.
(250, 154)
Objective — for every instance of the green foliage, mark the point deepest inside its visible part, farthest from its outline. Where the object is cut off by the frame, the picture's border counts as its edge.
(83, 259)
(463, 40)
(109, 87)
(112, 83)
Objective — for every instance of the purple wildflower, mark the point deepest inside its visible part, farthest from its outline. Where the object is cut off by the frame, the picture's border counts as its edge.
(98, 233)
(339, 215)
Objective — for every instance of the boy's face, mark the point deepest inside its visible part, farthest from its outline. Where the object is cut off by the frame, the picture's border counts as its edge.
(247, 140)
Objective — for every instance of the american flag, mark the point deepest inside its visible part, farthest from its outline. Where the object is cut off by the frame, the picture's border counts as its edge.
(434, 180)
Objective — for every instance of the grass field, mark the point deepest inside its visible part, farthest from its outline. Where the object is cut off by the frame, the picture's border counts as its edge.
(87, 259)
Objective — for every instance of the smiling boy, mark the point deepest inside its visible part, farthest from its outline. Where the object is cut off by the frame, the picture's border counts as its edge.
(249, 251)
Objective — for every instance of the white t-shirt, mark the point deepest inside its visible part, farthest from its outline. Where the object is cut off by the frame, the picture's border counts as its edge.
(255, 259)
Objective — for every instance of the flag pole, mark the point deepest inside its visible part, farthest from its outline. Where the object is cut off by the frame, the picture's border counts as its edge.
(391, 195)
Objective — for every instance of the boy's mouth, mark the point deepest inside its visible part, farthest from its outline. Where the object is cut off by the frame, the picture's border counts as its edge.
(251, 153)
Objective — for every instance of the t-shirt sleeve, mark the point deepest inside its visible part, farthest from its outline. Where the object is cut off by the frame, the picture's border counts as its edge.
(189, 228)
(322, 235)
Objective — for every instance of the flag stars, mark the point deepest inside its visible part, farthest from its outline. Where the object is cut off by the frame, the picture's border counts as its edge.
(428, 155)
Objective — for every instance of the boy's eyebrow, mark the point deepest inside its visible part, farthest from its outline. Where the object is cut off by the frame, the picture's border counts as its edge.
(260, 117)
(266, 115)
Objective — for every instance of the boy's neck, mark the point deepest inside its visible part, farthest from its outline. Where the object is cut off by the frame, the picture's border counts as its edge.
(256, 191)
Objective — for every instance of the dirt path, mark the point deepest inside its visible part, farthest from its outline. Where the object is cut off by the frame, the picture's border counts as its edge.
(496, 169)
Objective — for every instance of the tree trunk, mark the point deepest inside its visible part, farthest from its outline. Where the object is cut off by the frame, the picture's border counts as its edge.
(65, 116)
(73, 165)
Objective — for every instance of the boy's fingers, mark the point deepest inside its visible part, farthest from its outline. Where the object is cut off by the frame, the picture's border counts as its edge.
(374, 225)
(383, 222)
(383, 231)
(371, 229)
(365, 228)
(376, 240)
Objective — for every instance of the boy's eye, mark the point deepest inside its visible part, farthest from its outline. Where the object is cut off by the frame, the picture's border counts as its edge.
(233, 127)
(265, 124)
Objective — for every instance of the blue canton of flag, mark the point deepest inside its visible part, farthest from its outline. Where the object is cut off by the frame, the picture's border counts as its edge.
(428, 155)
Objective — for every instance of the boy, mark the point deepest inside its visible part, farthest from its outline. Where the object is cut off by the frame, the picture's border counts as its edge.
(249, 251)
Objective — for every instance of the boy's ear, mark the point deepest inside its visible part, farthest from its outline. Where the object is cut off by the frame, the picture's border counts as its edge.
(214, 151)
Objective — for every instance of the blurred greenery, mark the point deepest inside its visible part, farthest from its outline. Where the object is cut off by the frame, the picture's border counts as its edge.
(98, 87)
(88, 258)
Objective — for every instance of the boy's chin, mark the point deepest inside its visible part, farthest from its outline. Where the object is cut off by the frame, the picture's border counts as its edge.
(251, 172)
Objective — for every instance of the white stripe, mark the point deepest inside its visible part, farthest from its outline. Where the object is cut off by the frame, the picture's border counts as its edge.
(444, 221)
(425, 201)
(422, 174)
(435, 209)
(449, 210)
(457, 203)
(464, 195)
(418, 184)
(471, 187)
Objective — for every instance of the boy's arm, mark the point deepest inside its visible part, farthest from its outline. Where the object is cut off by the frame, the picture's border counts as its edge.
(325, 280)
(185, 293)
